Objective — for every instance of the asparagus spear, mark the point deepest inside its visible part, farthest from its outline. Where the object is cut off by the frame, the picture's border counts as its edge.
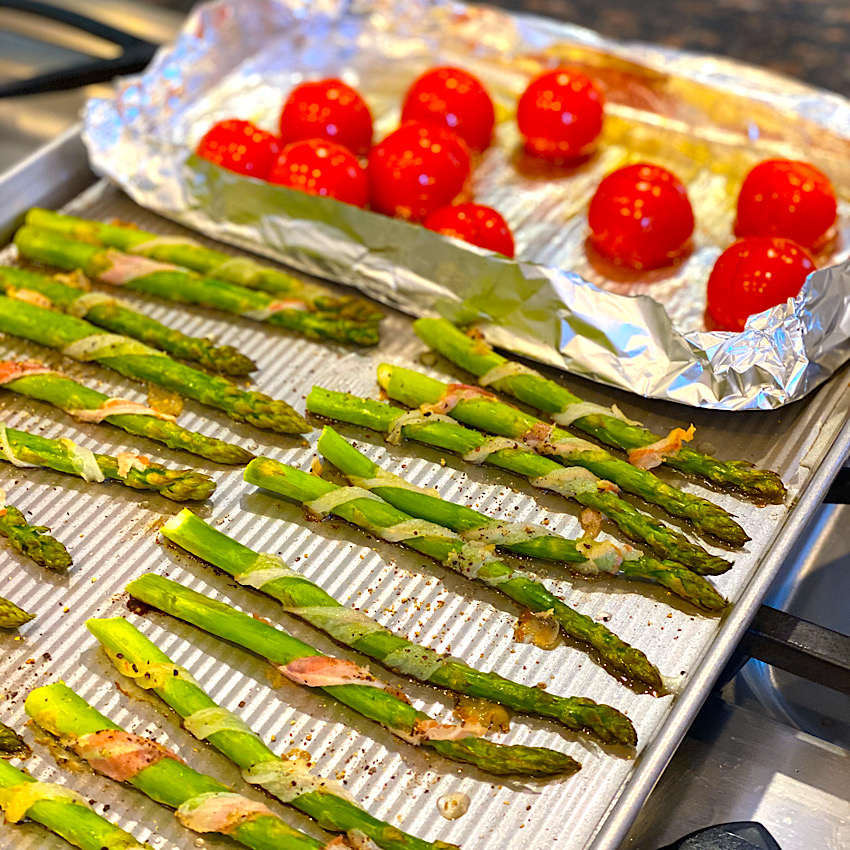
(443, 433)
(379, 705)
(32, 540)
(185, 252)
(77, 338)
(74, 398)
(12, 745)
(389, 523)
(305, 599)
(132, 653)
(60, 810)
(414, 389)
(120, 318)
(174, 283)
(168, 780)
(11, 616)
(21, 448)
(476, 356)
(536, 541)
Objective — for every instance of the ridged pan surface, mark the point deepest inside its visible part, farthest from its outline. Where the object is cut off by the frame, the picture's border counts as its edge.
(112, 534)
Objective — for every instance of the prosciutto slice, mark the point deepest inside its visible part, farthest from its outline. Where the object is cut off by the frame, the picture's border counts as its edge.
(219, 812)
(118, 407)
(648, 457)
(455, 393)
(319, 671)
(11, 370)
(118, 754)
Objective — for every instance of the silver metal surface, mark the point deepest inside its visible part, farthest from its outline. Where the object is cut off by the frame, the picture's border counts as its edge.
(735, 765)
(707, 119)
(111, 532)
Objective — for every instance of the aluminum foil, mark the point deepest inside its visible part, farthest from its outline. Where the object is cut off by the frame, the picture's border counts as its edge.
(706, 118)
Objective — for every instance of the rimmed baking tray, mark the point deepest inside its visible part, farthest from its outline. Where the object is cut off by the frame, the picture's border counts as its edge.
(111, 532)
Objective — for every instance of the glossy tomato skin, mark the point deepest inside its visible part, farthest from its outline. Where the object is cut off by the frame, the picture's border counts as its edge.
(640, 216)
(455, 99)
(476, 224)
(240, 146)
(327, 109)
(754, 274)
(320, 167)
(416, 170)
(783, 197)
(560, 115)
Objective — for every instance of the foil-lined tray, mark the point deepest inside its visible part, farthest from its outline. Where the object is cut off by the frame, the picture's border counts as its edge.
(707, 119)
(112, 534)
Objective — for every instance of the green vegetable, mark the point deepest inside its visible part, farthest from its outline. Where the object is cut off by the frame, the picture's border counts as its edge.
(33, 541)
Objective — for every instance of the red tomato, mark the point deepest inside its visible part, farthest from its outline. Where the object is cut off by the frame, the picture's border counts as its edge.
(752, 275)
(319, 167)
(476, 224)
(327, 109)
(416, 170)
(640, 216)
(455, 99)
(783, 197)
(240, 146)
(560, 115)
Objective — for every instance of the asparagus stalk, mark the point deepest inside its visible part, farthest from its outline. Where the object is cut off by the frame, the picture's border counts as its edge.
(33, 541)
(381, 519)
(477, 357)
(74, 398)
(61, 811)
(132, 652)
(120, 318)
(414, 389)
(12, 745)
(174, 283)
(21, 448)
(376, 704)
(60, 711)
(11, 616)
(536, 543)
(454, 437)
(184, 252)
(77, 338)
(305, 599)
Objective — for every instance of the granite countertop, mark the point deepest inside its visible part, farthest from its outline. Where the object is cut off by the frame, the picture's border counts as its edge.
(807, 39)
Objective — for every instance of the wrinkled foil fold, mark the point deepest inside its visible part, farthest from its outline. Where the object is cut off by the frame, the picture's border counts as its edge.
(715, 116)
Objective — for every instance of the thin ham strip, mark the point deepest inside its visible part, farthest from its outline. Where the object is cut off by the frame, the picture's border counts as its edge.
(648, 457)
(118, 407)
(433, 730)
(455, 393)
(219, 812)
(319, 671)
(30, 297)
(131, 460)
(118, 754)
(275, 307)
(127, 267)
(11, 370)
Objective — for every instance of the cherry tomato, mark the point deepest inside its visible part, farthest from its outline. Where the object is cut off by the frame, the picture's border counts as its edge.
(476, 224)
(783, 197)
(240, 146)
(752, 275)
(455, 99)
(640, 216)
(416, 170)
(560, 115)
(319, 167)
(327, 109)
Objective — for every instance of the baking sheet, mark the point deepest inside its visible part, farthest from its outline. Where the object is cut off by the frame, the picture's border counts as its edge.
(111, 532)
(707, 119)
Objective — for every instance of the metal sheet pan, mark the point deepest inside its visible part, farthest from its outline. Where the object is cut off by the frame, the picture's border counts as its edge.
(111, 532)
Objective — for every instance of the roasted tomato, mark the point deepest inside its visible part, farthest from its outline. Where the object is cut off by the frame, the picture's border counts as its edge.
(416, 170)
(455, 99)
(240, 146)
(784, 197)
(640, 216)
(476, 224)
(320, 167)
(754, 274)
(560, 115)
(327, 109)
